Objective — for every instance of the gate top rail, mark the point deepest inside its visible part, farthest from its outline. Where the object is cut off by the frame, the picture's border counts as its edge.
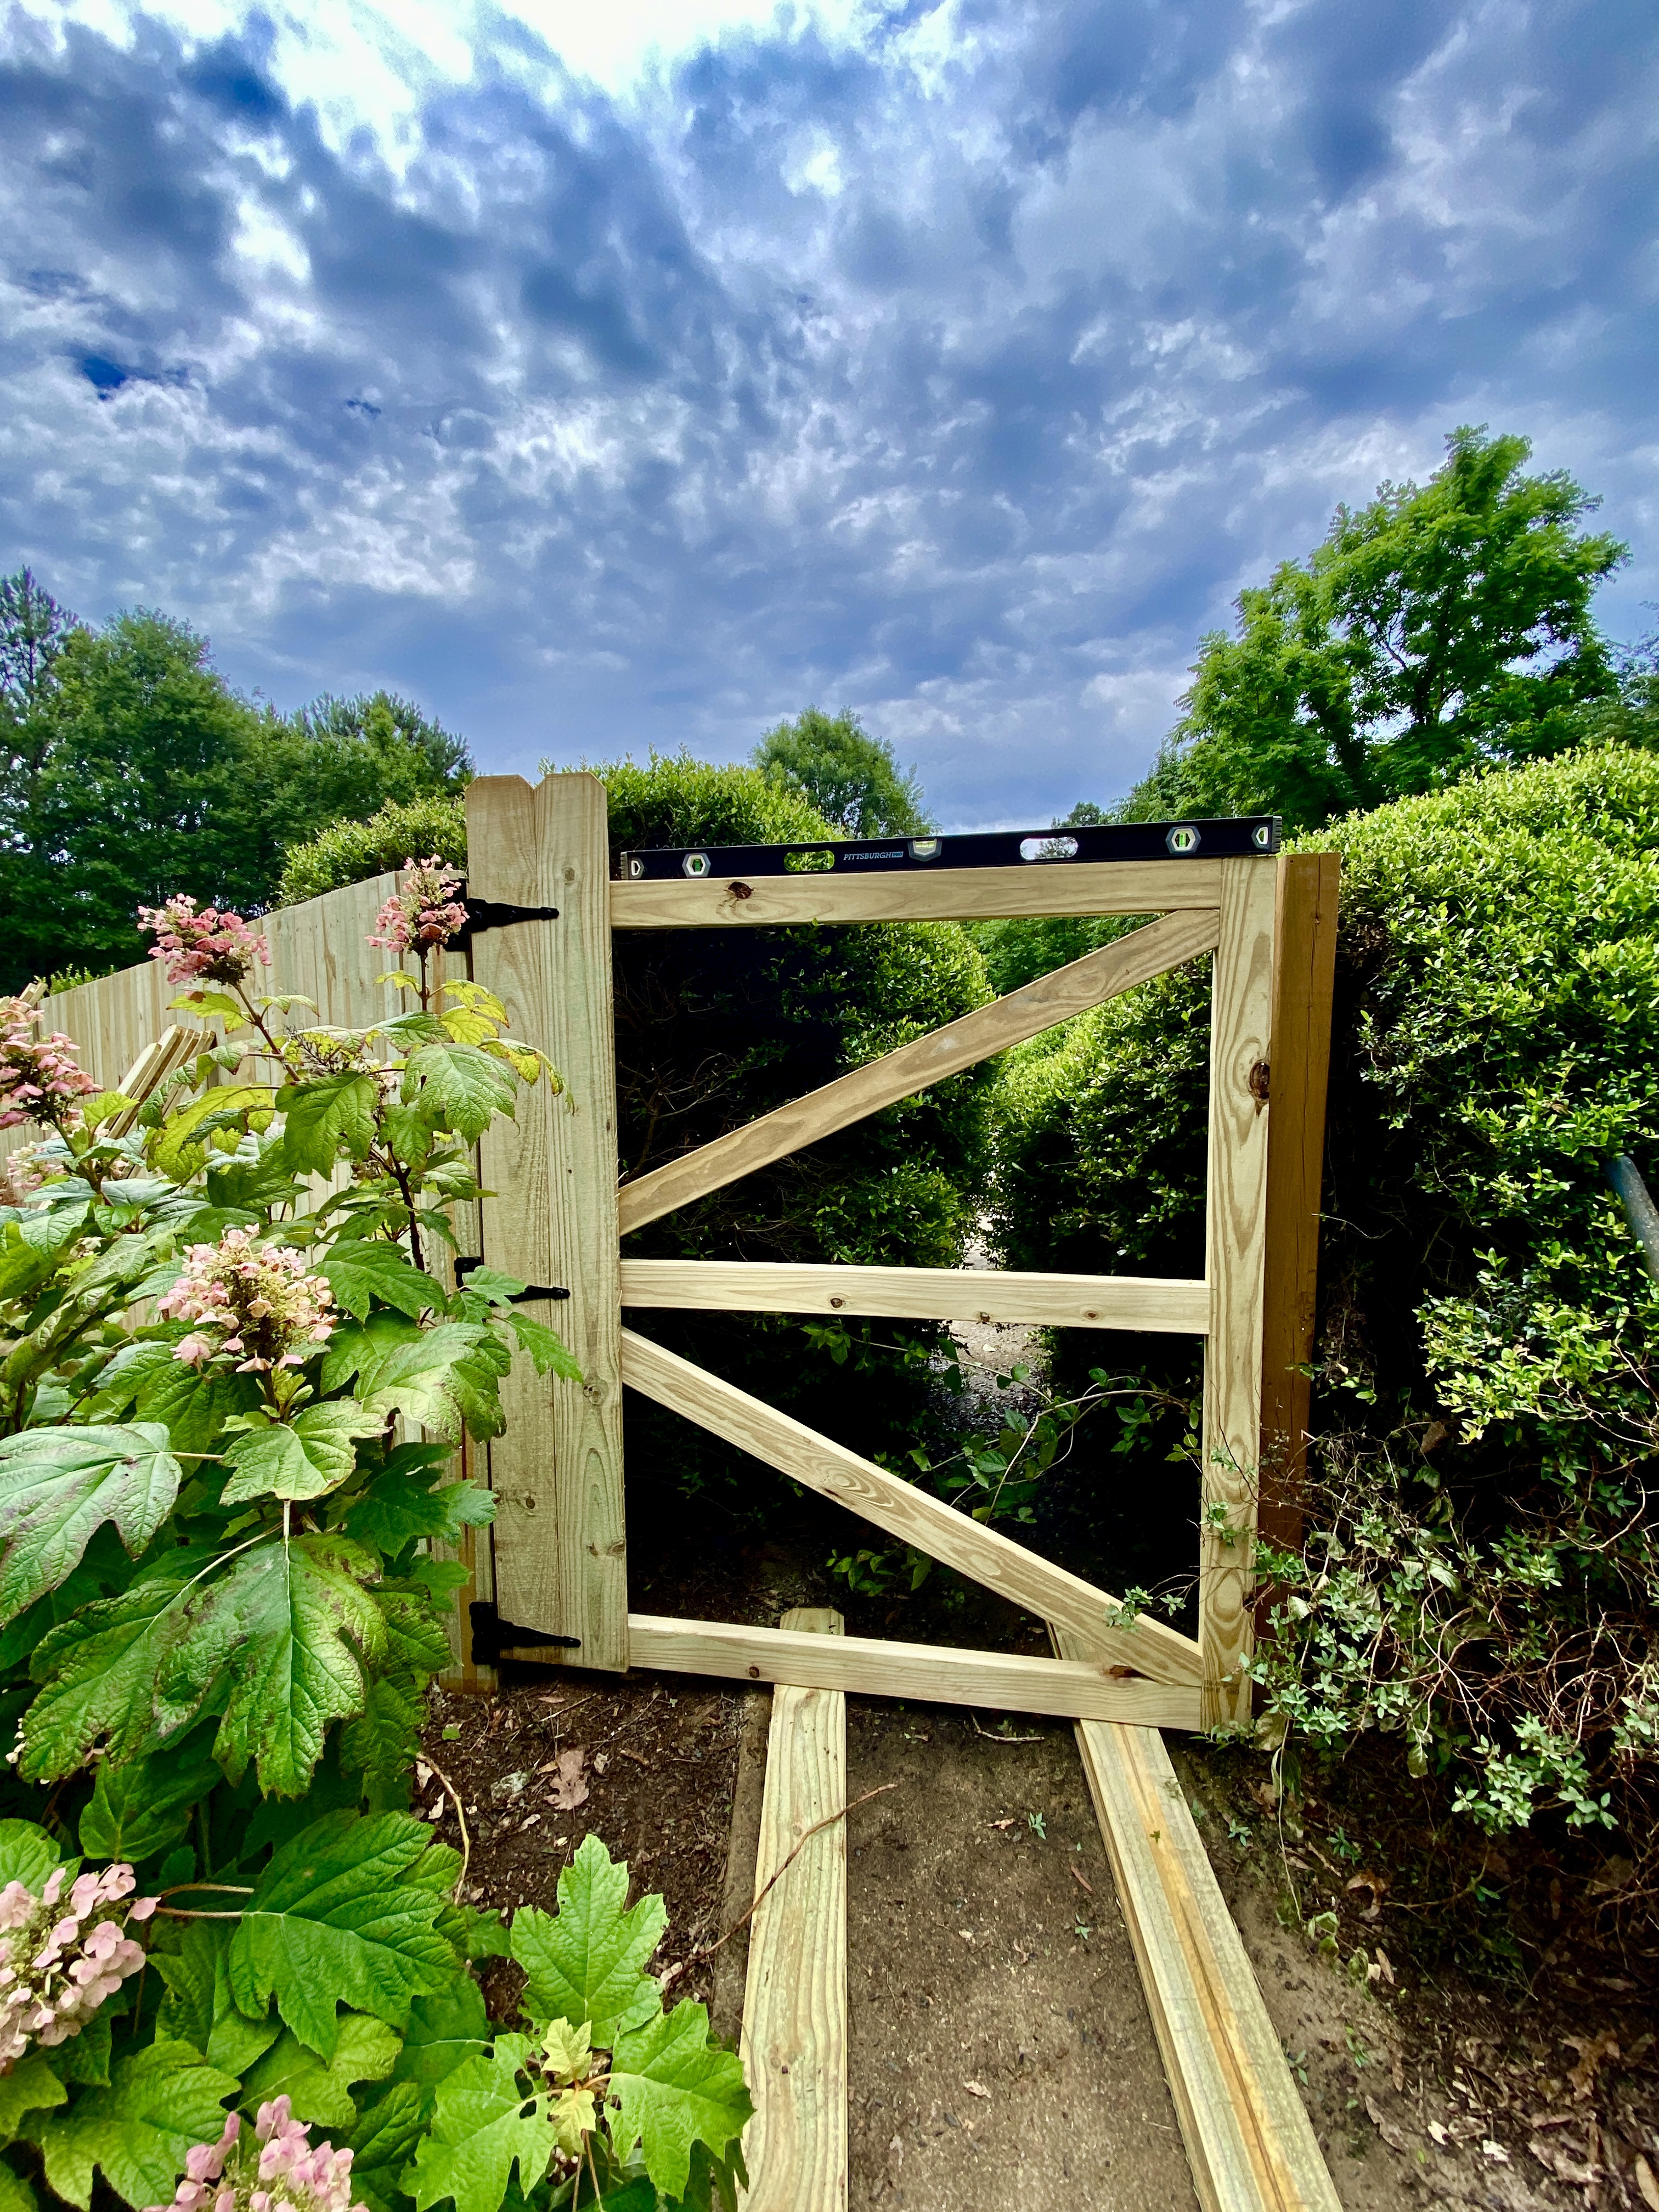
(1234, 837)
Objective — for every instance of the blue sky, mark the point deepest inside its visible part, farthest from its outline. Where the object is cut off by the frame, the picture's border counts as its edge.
(634, 375)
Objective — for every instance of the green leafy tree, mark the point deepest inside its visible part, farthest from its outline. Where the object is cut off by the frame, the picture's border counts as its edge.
(1444, 626)
(853, 780)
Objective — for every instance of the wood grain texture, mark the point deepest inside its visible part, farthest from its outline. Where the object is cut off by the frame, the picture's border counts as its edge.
(1304, 971)
(794, 2009)
(1148, 1648)
(1023, 1013)
(982, 1294)
(1249, 2139)
(557, 1469)
(871, 1667)
(1235, 1250)
(953, 894)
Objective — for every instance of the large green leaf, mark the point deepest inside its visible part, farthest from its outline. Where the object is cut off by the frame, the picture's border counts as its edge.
(99, 1671)
(587, 1962)
(361, 1271)
(548, 1351)
(445, 2031)
(56, 1485)
(381, 2144)
(482, 2122)
(456, 1086)
(32, 1243)
(443, 1378)
(227, 1112)
(27, 1854)
(675, 2088)
(320, 2088)
(142, 1808)
(283, 1633)
(333, 1115)
(160, 2101)
(336, 1920)
(30, 2086)
(400, 1507)
(305, 1458)
(191, 1403)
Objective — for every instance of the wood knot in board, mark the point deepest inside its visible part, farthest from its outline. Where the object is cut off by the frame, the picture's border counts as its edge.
(1258, 1085)
(754, 1673)
(740, 891)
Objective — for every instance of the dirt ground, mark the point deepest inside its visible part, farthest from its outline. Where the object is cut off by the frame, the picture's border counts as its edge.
(1001, 2056)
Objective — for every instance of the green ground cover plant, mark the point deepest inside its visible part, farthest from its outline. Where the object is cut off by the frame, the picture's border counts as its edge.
(1482, 1579)
(231, 1388)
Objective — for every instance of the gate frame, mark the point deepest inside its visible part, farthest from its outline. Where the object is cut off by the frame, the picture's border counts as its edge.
(553, 1215)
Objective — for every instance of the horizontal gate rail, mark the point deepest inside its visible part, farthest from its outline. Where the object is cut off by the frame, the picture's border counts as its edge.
(954, 895)
(927, 1059)
(996, 1681)
(914, 1516)
(1164, 1304)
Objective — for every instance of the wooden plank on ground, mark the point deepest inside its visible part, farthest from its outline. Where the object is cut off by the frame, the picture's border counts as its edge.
(953, 894)
(1304, 972)
(1249, 2139)
(1236, 1224)
(982, 1294)
(794, 2010)
(1147, 1648)
(557, 1469)
(1009, 1021)
(997, 1681)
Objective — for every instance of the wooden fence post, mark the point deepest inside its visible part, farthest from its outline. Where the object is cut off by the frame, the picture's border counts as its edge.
(561, 1564)
(1236, 1244)
(1305, 970)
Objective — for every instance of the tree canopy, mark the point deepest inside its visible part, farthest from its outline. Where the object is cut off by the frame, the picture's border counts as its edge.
(1442, 627)
(853, 779)
(130, 770)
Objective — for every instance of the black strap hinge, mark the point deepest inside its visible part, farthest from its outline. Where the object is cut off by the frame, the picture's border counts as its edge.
(492, 1635)
(494, 914)
(463, 1268)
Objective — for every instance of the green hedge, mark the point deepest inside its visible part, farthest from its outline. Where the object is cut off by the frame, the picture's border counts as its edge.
(1484, 1316)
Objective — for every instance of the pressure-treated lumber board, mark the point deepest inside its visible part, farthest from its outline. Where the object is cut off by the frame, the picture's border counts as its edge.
(557, 1468)
(940, 1675)
(1304, 968)
(953, 894)
(983, 1294)
(1009, 1021)
(1148, 1648)
(1249, 2139)
(794, 2008)
(1236, 1244)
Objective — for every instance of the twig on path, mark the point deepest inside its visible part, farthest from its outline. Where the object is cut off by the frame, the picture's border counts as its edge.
(993, 1735)
(466, 1840)
(828, 1822)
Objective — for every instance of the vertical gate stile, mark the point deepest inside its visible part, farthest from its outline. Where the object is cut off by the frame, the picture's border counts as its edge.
(1235, 1248)
(560, 1550)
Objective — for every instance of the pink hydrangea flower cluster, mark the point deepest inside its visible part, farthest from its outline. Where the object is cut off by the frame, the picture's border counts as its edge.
(21, 1175)
(203, 947)
(254, 1301)
(39, 1079)
(425, 912)
(285, 2175)
(55, 1969)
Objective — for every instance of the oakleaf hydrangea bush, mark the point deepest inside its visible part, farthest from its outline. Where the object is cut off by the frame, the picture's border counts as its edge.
(233, 1386)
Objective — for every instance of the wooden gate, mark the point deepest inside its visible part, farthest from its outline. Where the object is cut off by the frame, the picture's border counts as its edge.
(557, 1218)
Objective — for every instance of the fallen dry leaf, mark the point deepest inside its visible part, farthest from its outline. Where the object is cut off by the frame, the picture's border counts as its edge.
(601, 1760)
(1647, 2186)
(1077, 1878)
(638, 1758)
(977, 2089)
(568, 1790)
(1494, 2151)
(1002, 1824)
(422, 1774)
(1383, 1969)
(1373, 1885)
(1591, 2052)
(1556, 2159)
(1395, 2137)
